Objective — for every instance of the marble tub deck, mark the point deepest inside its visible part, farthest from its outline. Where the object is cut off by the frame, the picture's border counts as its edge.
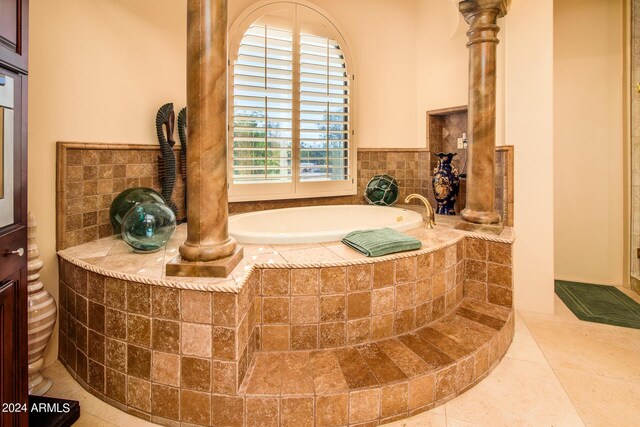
(112, 256)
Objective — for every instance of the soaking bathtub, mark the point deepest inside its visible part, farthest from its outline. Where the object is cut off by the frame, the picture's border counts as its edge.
(315, 224)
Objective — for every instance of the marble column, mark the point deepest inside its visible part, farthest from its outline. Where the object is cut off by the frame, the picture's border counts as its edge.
(208, 250)
(482, 16)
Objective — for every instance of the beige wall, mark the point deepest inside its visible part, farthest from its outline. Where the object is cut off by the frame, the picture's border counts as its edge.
(529, 127)
(588, 134)
(99, 70)
(442, 60)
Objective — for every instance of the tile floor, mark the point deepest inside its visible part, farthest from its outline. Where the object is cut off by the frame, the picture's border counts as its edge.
(559, 371)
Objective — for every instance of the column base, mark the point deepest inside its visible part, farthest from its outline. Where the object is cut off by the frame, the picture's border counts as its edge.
(480, 217)
(179, 267)
(495, 229)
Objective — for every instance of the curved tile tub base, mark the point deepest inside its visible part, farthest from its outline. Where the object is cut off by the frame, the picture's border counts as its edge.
(337, 344)
(382, 381)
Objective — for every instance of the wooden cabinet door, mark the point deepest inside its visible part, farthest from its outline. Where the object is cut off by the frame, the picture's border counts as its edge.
(13, 241)
(13, 33)
(13, 411)
(7, 350)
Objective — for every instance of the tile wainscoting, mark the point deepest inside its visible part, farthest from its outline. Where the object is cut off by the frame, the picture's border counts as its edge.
(90, 176)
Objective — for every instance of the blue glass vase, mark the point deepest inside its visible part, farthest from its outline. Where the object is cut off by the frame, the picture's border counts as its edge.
(124, 201)
(148, 226)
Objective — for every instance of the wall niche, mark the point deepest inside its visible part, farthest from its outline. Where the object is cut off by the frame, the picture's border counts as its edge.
(444, 127)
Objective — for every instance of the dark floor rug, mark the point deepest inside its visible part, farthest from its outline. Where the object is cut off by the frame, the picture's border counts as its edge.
(600, 304)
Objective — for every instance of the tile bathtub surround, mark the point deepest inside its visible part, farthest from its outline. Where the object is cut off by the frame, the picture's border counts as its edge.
(176, 346)
(359, 303)
(89, 176)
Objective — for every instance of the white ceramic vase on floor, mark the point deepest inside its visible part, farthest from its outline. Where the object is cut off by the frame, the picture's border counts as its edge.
(41, 314)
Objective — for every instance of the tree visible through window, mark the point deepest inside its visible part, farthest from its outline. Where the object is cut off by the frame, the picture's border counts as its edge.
(292, 118)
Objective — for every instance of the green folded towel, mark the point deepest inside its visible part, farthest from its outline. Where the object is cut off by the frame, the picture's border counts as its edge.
(380, 242)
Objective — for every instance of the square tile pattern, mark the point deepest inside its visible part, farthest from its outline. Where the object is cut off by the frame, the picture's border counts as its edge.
(90, 176)
(384, 339)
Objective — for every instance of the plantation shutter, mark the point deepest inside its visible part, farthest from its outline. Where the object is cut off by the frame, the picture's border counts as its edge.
(263, 107)
(324, 110)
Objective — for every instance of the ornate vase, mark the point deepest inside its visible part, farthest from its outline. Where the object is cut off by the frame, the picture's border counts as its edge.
(41, 314)
(446, 184)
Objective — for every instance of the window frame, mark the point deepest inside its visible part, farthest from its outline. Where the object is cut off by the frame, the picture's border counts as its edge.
(297, 188)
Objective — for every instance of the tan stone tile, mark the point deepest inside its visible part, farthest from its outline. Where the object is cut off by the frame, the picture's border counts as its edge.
(318, 254)
(328, 376)
(601, 400)
(262, 412)
(405, 296)
(165, 401)
(224, 309)
(196, 339)
(598, 349)
(333, 308)
(139, 298)
(476, 249)
(332, 334)
(304, 310)
(224, 343)
(116, 354)
(139, 330)
(500, 253)
(196, 306)
(364, 405)
(227, 411)
(138, 362)
(275, 310)
(332, 411)
(515, 384)
(358, 331)
(499, 275)
(382, 300)
(358, 305)
(139, 394)
(223, 377)
(333, 280)
(165, 335)
(275, 338)
(383, 274)
(500, 296)
(305, 281)
(406, 270)
(382, 326)
(295, 412)
(195, 373)
(475, 270)
(275, 281)
(195, 407)
(359, 277)
(394, 400)
(304, 337)
(165, 368)
(116, 386)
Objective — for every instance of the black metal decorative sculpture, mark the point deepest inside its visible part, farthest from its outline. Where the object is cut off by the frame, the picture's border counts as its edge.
(165, 120)
(182, 134)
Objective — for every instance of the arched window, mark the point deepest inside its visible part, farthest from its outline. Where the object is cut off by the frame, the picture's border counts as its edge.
(291, 105)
